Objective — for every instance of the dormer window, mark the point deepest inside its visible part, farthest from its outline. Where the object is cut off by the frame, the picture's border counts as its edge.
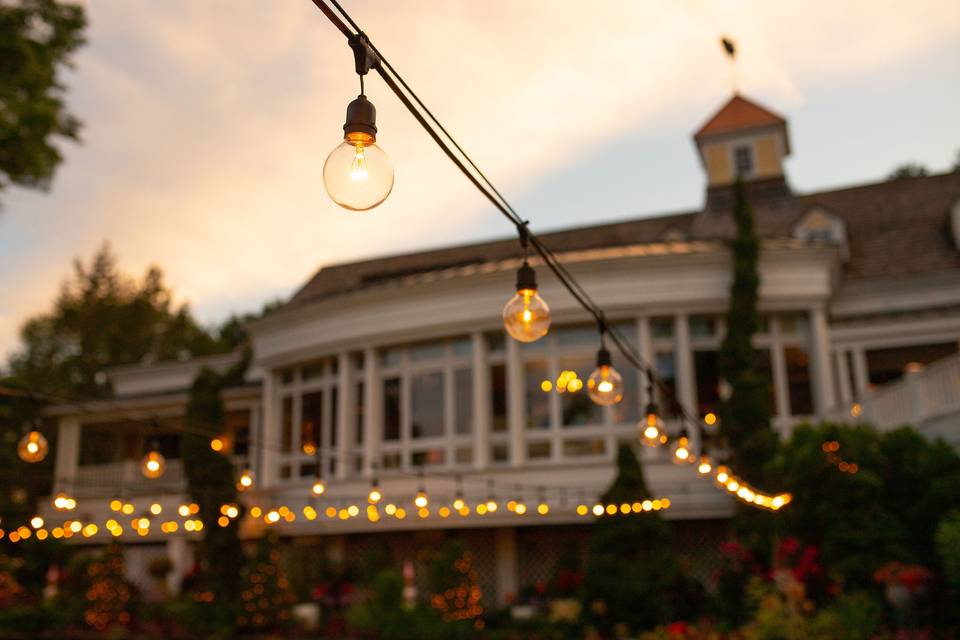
(819, 226)
(743, 160)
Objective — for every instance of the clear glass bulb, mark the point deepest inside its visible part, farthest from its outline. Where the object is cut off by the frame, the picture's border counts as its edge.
(421, 499)
(153, 465)
(357, 174)
(605, 386)
(651, 429)
(33, 447)
(526, 316)
(318, 488)
(245, 481)
(681, 451)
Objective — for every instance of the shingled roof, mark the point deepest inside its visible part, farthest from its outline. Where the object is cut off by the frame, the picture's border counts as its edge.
(738, 114)
(894, 229)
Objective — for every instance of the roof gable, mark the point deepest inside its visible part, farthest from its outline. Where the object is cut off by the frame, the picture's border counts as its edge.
(738, 114)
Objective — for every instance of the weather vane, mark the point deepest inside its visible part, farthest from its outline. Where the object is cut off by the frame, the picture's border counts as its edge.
(730, 48)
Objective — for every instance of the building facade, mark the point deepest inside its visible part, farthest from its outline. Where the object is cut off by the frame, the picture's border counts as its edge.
(398, 371)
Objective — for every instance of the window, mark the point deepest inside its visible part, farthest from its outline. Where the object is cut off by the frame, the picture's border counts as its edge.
(577, 408)
(236, 427)
(707, 380)
(427, 405)
(463, 400)
(286, 424)
(311, 422)
(98, 443)
(743, 160)
(798, 380)
(538, 401)
(391, 409)
(498, 392)
(666, 368)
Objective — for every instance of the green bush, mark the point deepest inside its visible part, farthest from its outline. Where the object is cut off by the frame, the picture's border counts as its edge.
(948, 546)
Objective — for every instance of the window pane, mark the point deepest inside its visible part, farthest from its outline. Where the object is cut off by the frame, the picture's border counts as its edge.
(311, 422)
(427, 351)
(463, 392)
(667, 389)
(798, 380)
(429, 458)
(764, 364)
(702, 326)
(538, 450)
(708, 380)
(627, 411)
(390, 357)
(578, 408)
(538, 401)
(794, 324)
(391, 409)
(496, 343)
(498, 400)
(167, 443)
(311, 371)
(98, 444)
(462, 347)
(334, 399)
(661, 327)
(426, 405)
(500, 452)
(578, 448)
(577, 336)
(286, 424)
(391, 460)
(463, 455)
(236, 426)
(360, 416)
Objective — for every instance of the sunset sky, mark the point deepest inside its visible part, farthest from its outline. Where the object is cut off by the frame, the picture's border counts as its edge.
(206, 124)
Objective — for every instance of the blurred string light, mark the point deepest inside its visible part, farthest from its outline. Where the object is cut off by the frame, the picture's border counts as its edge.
(830, 449)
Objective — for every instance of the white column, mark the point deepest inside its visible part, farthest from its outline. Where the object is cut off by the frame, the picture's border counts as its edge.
(781, 390)
(686, 392)
(482, 398)
(346, 418)
(267, 474)
(823, 395)
(505, 555)
(645, 346)
(861, 375)
(846, 393)
(516, 403)
(68, 454)
(372, 410)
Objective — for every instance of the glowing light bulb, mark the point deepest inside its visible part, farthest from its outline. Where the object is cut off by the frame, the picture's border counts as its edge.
(704, 467)
(526, 316)
(710, 419)
(681, 450)
(650, 427)
(318, 488)
(375, 495)
(421, 499)
(153, 464)
(245, 481)
(459, 504)
(36, 522)
(605, 385)
(216, 444)
(357, 174)
(33, 447)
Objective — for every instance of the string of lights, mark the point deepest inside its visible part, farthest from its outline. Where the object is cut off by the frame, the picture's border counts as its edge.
(526, 315)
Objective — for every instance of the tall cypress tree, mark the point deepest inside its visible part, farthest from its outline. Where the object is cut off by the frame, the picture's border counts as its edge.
(211, 483)
(745, 413)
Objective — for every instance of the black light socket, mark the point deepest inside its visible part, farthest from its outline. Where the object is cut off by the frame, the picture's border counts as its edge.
(604, 359)
(526, 277)
(361, 117)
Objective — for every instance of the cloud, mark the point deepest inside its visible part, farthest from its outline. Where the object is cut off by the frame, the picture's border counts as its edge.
(207, 128)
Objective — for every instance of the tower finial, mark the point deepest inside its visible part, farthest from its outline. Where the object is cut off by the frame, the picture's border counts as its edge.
(730, 48)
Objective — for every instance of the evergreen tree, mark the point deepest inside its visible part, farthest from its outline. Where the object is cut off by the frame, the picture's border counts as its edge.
(631, 574)
(266, 596)
(745, 413)
(210, 478)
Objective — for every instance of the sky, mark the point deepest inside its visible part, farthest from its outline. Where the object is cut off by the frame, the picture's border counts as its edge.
(206, 124)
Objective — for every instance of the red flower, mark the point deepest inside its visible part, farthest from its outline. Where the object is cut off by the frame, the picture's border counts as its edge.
(678, 628)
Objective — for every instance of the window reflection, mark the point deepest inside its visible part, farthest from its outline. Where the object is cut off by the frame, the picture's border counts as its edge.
(577, 407)
(538, 402)
(426, 405)
(391, 409)
(463, 400)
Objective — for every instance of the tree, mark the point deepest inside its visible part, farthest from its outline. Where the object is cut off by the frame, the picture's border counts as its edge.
(631, 575)
(211, 483)
(103, 318)
(37, 38)
(909, 170)
(745, 413)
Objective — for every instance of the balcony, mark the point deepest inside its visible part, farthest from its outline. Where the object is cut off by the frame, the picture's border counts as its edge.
(124, 478)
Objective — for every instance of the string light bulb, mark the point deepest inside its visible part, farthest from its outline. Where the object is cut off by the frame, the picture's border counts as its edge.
(651, 427)
(605, 385)
(357, 174)
(458, 501)
(681, 449)
(318, 487)
(526, 316)
(33, 447)
(245, 481)
(375, 494)
(153, 464)
(704, 466)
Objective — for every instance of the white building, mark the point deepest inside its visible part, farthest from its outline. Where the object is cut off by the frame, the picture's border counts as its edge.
(390, 365)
